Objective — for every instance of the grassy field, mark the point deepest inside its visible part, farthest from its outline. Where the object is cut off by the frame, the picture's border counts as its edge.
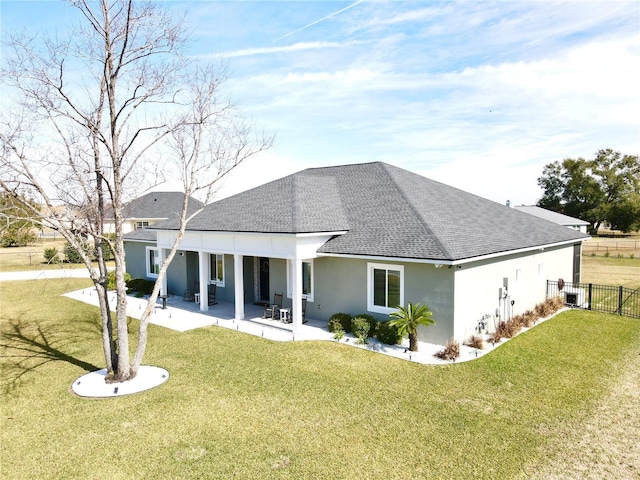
(611, 271)
(31, 257)
(238, 406)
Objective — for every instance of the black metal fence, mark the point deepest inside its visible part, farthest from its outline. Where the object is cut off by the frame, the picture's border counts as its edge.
(601, 298)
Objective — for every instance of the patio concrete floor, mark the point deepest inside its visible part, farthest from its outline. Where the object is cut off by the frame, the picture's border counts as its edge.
(181, 316)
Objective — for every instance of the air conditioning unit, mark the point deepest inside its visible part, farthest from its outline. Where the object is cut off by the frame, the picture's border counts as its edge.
(575, 297)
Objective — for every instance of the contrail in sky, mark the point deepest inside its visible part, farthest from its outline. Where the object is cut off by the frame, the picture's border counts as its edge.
(320, 20)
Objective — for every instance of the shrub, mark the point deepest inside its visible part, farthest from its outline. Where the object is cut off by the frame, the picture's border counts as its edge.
(451, 351)
(344, 319)
(507, 329)
(495, 337)
(475, 341)
(632, 256)
(140, 285)
(106, 251)
(51, 255)
(529, 318)
(338, 334)
(334, 325)
(17, 237)
(72, 255)
(360, 329)
(111, 280)
(388, 333)
(373, 323)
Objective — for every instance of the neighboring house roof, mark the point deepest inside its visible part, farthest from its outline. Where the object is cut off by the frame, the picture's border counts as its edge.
(554, 217)
(142, 235)
(158, 205)
(384, 210)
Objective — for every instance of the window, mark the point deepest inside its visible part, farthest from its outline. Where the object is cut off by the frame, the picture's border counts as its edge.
(307, 279)
(153, 262)
(140, 225)
(385, 287)
(217, 269)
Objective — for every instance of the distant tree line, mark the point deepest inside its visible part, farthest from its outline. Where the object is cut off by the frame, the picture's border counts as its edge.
(602, 191)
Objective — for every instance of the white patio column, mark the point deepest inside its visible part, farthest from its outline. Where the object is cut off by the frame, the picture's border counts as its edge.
(203, 273)
(238, 275)
(163, 287)
(296, 294)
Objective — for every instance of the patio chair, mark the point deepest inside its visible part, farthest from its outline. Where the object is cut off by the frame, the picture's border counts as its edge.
(212, 294)
(273, 311)
(188, 295)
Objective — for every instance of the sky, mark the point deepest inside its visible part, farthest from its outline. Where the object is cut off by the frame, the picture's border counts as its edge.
(479, 95)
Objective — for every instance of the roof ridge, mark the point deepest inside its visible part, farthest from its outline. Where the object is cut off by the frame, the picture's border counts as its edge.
(420, 218)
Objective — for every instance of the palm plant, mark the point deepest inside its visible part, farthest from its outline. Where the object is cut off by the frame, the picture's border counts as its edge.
(407, 320)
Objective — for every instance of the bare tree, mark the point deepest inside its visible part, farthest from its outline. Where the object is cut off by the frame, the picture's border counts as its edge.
(93, 115)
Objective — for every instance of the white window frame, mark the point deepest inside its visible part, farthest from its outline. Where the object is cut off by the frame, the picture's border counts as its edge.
(371, 267)
(158, 261)
(141, 224)
(308, 296)
(213, 277)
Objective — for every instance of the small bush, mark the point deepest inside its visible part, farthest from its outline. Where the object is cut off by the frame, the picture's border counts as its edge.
(507, 329)
(344, 319)
(334, 325)
(632, 256)
(338, 334)
(606, 254)
(451, 351)
(373, 323)
(475, 341)
(495, 337)
(51, 255)
(140, 285)
(529, 318)
(543, 310)
(111, 280)
(72, 255)
(360, 328)
(388, 334)
(106, 251)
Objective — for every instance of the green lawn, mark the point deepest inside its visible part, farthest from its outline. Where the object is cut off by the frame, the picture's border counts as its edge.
(238, 406)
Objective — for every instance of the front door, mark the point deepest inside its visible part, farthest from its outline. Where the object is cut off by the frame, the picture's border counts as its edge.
(263, 277)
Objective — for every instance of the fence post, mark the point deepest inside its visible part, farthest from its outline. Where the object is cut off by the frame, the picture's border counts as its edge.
(620, 300)
(590, 293)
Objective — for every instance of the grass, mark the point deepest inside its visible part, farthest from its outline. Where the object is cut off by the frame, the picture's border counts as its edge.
(31, 257)
(611, 271)
(238, 406)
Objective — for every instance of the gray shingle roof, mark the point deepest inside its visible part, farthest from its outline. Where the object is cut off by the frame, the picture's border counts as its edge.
(386, 211)
(158, 205)
(142, 235)
(555, 217)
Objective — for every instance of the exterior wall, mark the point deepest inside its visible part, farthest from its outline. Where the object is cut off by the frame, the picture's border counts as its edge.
(135, 258)
(477, 286)
(278, 280)
(341, 286)
(426, 284)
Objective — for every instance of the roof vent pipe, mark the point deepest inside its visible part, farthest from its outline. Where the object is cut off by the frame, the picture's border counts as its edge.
(508, 204)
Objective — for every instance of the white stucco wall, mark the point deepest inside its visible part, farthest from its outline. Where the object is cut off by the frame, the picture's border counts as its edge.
(477, 286)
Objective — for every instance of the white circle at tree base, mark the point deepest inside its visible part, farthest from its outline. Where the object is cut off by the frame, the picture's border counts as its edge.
(93, 384)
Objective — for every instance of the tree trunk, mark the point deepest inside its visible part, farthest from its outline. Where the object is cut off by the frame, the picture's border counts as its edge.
(413, 342)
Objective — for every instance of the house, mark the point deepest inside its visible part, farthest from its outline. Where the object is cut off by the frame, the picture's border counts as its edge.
(366, 238)
(559, 218)
(149, 209)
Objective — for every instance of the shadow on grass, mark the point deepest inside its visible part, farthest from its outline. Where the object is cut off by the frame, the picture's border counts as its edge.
(27, 347)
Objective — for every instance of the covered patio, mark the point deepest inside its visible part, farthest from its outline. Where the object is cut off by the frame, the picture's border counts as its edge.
(181, 315)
